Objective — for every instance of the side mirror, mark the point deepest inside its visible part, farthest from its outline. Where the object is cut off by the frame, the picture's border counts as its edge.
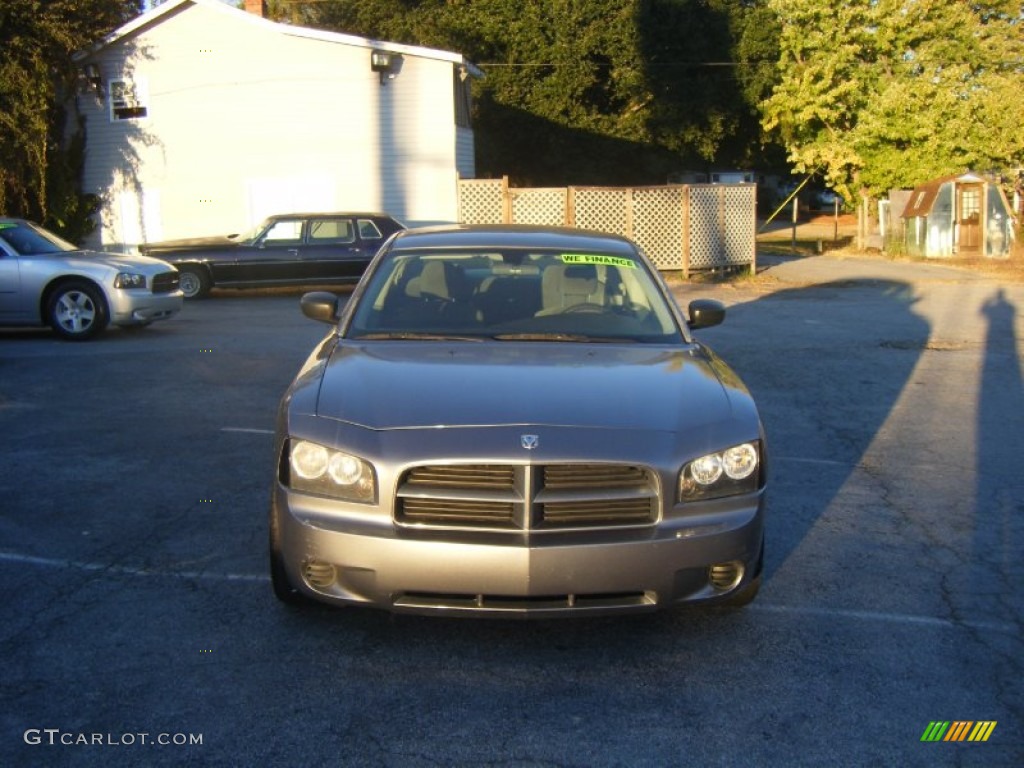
(705, 313)
(320, 305)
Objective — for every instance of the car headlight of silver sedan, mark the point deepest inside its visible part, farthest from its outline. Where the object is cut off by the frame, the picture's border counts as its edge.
(317, 469)
(129, 280)
(730, 472)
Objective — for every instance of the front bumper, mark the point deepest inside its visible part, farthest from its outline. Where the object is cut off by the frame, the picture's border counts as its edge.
(343, 559)
(138, 307)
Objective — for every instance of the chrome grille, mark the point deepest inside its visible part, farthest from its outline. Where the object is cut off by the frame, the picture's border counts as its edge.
(560, 476)
(165, 282)
(463, 476)
(597, 512)
(513, 497)
(453, 511)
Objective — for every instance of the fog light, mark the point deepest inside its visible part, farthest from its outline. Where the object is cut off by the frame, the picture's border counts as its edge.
(318, 575)
(725, 576)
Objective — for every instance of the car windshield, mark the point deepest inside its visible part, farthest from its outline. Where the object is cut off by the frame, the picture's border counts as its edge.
(250, 235)
(513, 295)
(30, 240)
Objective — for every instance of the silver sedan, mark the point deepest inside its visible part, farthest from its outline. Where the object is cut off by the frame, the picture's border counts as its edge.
(516, 422)
(47, 281)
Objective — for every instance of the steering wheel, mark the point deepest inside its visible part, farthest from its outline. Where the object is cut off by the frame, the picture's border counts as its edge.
(584, 307)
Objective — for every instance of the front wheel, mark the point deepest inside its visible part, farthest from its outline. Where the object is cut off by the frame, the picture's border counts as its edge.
(744, 596)
(747, 594)
(77, 311)
(279, 581)
(194, 281)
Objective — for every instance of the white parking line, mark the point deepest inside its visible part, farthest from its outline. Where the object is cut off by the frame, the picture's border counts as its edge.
(893, 618)
(759, 607)
(830, 462)
(49, 562)
(247, 430)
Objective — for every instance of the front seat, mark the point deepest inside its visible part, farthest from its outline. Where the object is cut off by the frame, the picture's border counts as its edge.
(566, 285)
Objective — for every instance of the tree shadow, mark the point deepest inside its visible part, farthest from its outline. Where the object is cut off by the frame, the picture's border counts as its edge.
(115, 148)
(535, 151)
(825, 383)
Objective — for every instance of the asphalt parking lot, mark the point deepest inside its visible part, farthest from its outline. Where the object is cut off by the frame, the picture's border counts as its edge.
(139, 627)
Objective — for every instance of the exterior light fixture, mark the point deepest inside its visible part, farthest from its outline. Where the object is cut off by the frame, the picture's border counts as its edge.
(386, 64)
(91, 73)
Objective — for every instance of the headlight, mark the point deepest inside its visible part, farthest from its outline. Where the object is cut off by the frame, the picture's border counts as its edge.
(314, 468)
(129, 280)
(724, 473)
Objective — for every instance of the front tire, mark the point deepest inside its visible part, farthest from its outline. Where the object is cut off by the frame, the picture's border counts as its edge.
(746, 595)
(77, 311)
(283, 589)
(194, 281)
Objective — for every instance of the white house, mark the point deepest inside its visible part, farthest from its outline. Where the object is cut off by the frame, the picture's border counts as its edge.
(202, 119)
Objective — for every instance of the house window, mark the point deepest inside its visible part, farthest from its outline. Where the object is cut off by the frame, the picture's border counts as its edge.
(127, 100)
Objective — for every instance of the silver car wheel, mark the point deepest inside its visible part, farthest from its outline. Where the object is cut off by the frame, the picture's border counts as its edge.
(77, 311)
(193, 283)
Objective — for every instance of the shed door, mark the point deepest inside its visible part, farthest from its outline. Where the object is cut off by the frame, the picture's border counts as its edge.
(968, 216)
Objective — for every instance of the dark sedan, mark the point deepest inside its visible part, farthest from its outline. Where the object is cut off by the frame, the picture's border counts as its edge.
(286, 249)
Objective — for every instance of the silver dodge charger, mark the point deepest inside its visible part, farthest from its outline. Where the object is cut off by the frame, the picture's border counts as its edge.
(516, 422)
(45, 280)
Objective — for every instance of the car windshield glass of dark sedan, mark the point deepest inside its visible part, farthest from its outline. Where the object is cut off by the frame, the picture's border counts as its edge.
(514, 295)
(27, 240)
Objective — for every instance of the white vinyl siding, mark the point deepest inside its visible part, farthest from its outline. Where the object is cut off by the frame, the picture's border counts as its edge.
(245, 120)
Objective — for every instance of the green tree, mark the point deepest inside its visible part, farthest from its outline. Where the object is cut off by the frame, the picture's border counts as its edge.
(876, 94)
(40, 158)
(592, 91)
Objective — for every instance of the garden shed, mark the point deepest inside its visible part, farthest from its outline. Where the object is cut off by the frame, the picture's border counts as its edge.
(966, 215)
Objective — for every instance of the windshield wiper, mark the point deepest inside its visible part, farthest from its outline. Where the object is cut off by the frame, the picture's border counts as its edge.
(578, 337)
(415, 336)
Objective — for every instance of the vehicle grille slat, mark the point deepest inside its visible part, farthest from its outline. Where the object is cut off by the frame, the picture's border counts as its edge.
(165, 282)
(545, 498)
(452, 512)
(596, 512)
(568, 476)
(463, 476)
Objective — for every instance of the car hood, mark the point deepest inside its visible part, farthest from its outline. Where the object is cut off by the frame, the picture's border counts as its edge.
(85, 260)
(190, 243)
(409, 385)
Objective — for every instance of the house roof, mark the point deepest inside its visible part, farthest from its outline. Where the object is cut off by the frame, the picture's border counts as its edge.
(165, 10)
(923, 197)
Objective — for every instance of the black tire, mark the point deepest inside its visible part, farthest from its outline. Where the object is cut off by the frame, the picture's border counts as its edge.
(77, 310)
(747, 594)
(194, 280)
(283, 589)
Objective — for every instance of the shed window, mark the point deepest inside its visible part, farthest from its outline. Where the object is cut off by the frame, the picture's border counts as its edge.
(127, 100)
(970, 203)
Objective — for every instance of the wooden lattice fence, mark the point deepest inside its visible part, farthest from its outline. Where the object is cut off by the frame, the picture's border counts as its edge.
(684, 227)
